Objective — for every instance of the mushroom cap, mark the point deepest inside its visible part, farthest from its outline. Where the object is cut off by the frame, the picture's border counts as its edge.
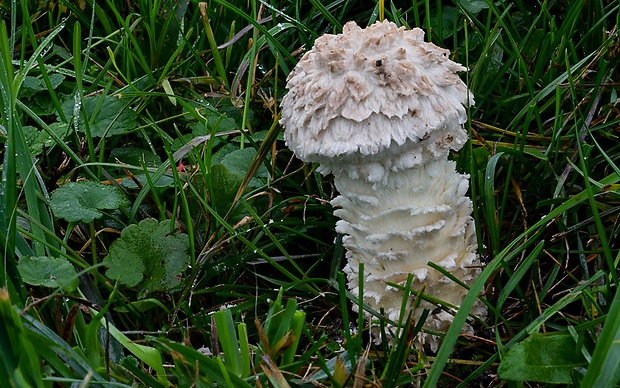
(356, 94)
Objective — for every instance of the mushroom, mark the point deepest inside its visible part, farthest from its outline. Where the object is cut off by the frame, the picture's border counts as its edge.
(380, 109)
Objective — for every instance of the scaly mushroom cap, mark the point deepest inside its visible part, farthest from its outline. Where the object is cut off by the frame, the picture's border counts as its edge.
(356, 94)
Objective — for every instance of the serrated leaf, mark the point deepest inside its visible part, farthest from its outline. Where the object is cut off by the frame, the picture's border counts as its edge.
(134, 156)
(148, 257)
(474, 6)
(49, 272)
(42, 104)
(164, 181)
(542, 358)
(228, 173)
(32, 85)
(83, 201)
(37, 138)
(448, 17)
(218, 119)
(237, 162)
(108, 117)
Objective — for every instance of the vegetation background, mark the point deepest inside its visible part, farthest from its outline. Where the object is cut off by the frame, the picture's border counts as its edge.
(157, 232)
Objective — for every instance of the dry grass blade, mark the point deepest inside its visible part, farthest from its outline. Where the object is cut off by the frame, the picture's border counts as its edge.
(273, 373)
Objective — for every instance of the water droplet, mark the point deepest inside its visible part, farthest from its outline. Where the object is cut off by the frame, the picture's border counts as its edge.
(46, 49)
(77, 105)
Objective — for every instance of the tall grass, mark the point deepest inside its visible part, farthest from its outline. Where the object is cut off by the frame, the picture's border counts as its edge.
(176, 106)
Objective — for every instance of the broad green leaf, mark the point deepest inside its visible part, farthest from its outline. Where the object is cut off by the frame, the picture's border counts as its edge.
(164, 181)
(49, 272)
(32, 85)
(448, 17)
(148, 256)
(218, 119)
(329, 366)
(225, 186)
(83, 201)
(108, 117)
(228, 173)
(37, 139)
(542, 358)
(473, 6)
(134, 156)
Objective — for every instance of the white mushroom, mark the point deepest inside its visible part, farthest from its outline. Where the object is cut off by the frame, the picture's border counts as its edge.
(380, 109)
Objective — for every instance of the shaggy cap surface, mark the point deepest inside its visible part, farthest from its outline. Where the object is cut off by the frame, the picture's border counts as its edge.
(365, 90)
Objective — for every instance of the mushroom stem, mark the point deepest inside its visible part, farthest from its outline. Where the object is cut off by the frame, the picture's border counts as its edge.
(381, 109)
(396, 227)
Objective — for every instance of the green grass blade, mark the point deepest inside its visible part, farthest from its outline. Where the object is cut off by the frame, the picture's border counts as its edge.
(215, 52)
(238, 11)
(145, 378)
(244, 350)
(459, 319)
(19, 363)
(9, 277)
(227, 336)
(65, 360)
(194, 365)
(296, 326)
(517, 276)
(146, 354)
(604, 369)
(325, 12)
(492, 218)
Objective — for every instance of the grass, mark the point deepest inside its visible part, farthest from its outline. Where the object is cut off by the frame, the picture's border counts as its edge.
(172, 109)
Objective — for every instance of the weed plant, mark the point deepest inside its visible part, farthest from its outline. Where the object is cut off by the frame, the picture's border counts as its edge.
(156, 231)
